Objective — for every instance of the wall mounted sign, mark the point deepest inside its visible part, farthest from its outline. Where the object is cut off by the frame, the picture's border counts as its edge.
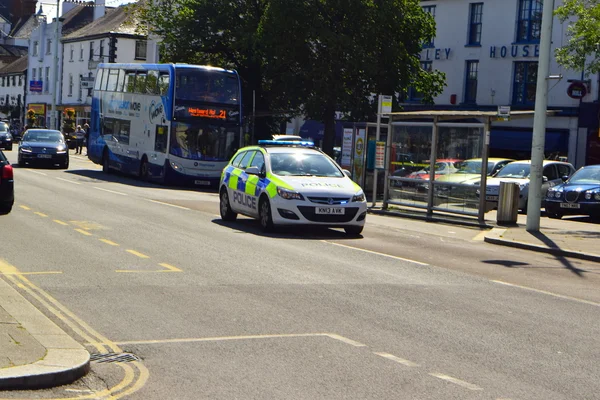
(577, 90)
(36, 86)
(515, 50)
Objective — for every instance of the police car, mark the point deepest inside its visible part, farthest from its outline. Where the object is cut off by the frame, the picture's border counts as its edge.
(290, 183)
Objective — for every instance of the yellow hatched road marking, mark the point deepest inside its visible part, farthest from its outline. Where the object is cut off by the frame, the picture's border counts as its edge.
(109, 242)
(83, 232)
(135, 253)
(40, 214)
(170, 267)
(25, 208)
(60, 222)
(31, 273)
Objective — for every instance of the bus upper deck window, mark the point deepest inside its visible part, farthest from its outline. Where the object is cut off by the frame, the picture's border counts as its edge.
(152, 82)
(163, 84)
(129, 83)
(140, 83)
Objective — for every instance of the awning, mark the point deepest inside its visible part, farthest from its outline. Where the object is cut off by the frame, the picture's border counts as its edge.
(520, 140)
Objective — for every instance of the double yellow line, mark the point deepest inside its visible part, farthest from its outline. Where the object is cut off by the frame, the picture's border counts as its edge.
(135, 373)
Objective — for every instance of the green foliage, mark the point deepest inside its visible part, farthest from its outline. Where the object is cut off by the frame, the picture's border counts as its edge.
(303, 56)
(581, 52)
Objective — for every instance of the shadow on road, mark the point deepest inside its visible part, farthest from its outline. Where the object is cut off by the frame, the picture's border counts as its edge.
(506, 263)
(116, 177)
(251, 226)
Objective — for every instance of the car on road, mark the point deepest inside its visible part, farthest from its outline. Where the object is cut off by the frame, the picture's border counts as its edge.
(578, 195)
(43, 146)
(6, 139)
(519, 171)
(7, 190)
(469, 173)
(291, 183)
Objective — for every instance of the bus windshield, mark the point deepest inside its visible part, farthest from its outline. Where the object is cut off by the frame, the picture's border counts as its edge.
(199, 140)
(206, 86)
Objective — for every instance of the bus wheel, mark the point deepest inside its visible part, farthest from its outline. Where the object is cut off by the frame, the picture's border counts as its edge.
(105, 162)
(264, 215)
(227, 213)
(144, 175)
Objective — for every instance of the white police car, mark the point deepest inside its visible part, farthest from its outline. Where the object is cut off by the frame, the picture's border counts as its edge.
(290, 183)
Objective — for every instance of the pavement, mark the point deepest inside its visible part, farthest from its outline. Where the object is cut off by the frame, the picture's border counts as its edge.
(37, 353)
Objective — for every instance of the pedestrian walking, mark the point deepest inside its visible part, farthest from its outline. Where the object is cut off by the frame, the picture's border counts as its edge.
(80, 137)
(86, 128)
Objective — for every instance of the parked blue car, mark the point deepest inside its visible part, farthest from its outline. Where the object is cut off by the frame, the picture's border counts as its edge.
(578, 195)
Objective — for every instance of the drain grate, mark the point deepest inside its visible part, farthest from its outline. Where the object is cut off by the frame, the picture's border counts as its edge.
(113, 357)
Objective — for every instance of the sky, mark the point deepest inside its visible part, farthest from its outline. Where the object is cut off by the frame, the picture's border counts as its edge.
(49, 6)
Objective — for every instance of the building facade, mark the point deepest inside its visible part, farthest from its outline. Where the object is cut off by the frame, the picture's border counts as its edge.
(12, 89)
(111, 37)
(489, 51)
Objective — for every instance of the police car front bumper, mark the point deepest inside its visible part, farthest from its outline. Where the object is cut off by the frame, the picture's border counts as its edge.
(306, 212)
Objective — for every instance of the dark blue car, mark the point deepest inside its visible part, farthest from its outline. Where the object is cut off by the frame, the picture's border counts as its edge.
(578, 195)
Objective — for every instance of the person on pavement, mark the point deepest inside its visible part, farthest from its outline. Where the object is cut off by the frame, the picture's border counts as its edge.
(80, 137)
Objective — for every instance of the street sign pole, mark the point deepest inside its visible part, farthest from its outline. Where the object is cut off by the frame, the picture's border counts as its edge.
(534, 202)
(384, 106)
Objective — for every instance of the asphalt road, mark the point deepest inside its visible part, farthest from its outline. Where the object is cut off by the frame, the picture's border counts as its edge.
(201, 309)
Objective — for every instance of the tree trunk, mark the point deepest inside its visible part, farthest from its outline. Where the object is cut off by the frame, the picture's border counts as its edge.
(329, 133)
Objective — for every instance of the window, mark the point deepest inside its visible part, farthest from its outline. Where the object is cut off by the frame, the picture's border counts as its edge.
(101, 49)
(121, 81)
(563, 170)
(72, 52)
(33, 70)
(430, 10)
(70, 85)
(550, 172)
(2, 81)
(237, 159)
(14, 80)
(471, 82)
(152, 82)
(524, 82)
(8, 81)
(246, 159)
(529, 22)
(40, 73)
(80, 90)
(476, 13)
(113, 79)
(47, 79)
(48, 46)
(91, 51)
(89, 91)
(35, 48)
(140, 49)
(98, 80)
(160, 138)
(413, 94)
(80, 51)
(163, 83)
(259, 162)
(129, 84)
(20, 80)
(140, 82)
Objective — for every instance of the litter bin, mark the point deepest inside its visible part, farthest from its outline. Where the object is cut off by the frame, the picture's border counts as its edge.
(508, 203)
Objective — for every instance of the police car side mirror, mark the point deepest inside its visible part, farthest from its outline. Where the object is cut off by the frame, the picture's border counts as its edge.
(252, 171)
(347, 173)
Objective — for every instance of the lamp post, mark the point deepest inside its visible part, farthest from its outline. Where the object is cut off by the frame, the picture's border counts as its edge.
(54, 115)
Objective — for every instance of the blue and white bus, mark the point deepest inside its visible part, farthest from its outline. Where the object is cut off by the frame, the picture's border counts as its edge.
(170, 123)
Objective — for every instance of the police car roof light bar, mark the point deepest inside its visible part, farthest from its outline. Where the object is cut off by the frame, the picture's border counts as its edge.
(303, 143)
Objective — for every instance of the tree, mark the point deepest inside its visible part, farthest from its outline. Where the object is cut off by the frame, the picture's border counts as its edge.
(303, 56)
(222, 33)
(581, 51)
(335, 54)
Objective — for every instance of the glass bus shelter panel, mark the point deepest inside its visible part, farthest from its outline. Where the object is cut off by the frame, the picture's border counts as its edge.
(410, 150)
(457, 169)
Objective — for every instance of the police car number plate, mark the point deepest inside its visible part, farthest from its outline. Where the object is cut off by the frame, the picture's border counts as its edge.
(330, 210)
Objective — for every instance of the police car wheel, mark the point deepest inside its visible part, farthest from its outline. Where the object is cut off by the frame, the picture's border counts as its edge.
(227, 213)
(353, 230)
(264, 215)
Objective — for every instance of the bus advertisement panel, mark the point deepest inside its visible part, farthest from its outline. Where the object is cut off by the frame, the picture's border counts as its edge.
(171, 123)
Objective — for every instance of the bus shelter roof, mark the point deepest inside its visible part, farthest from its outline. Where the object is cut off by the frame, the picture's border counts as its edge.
(457, 114)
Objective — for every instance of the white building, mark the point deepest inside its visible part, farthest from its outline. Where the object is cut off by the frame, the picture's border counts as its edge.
(12, 88)
(89, 46)
(42, 59)
(489, 51)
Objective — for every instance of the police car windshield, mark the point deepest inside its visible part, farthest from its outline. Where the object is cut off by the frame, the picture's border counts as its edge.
(304, 164)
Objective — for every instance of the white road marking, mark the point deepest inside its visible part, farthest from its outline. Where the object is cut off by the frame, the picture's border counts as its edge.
(345, 340)
(69, 181)
(221, 338)
(458, 382)
(398, 359)
(167, 204)
(560, 296)
(377, 253)
(110, 191)
(39, 173)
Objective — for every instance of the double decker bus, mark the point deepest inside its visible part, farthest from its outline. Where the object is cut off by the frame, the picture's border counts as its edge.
(176, 124)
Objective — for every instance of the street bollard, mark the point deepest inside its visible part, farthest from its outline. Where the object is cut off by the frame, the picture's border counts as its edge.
(508, 203)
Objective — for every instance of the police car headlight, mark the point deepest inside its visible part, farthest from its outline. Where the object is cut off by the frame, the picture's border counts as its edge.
(359, 197)
(289, 194)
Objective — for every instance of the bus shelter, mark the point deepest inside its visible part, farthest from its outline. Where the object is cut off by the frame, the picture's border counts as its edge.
(426, 149)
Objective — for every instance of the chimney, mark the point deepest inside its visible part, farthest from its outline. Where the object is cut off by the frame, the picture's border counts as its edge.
(99, 9)
(67, 6)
